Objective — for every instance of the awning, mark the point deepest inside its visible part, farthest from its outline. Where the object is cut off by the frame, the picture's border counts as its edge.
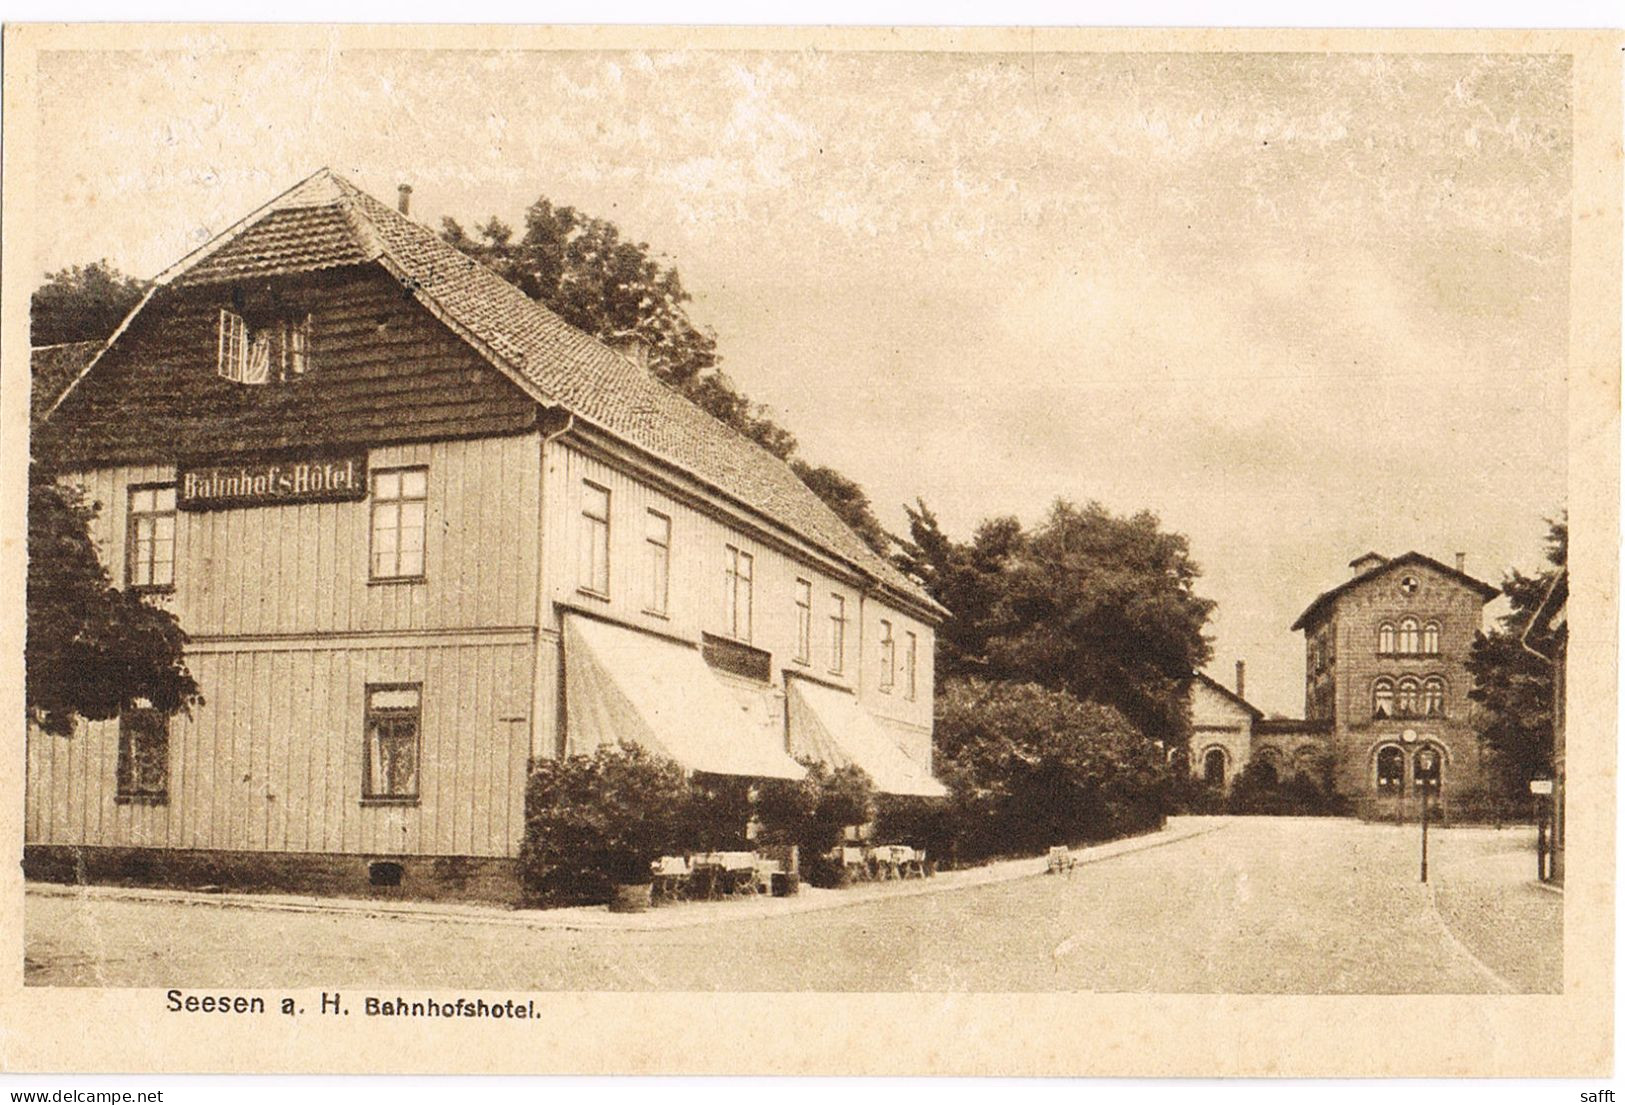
(829, 725)
(622, 685)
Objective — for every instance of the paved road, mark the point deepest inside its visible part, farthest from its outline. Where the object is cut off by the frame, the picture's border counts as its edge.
(1261, 906)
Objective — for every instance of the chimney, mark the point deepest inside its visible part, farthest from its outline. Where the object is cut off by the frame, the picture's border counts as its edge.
(1461, 563)
(1241, 679)
(404, 203)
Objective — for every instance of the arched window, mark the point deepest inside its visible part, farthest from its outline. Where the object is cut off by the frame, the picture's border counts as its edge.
(1433, 696)
(1430, 638)
(1407, 702)
(1385, 638)
(1213, 767)
(1307, 763)
(1390, 768)
(1382, 698)
(1408, 636)
(1429, 768)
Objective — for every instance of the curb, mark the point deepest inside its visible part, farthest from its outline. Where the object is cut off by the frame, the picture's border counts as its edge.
(597, 919)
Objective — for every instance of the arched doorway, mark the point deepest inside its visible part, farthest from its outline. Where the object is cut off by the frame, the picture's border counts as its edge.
(1213, 767)
(1390, 769)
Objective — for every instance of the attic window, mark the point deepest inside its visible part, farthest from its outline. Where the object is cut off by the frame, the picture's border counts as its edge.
(275, 349)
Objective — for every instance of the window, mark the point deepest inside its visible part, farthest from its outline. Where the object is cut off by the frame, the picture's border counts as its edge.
(1390, 768)
(837, 633)
(1433, 696)
(594, 567)
(233, 349)
(1385, 638)
(400, 500)
(278, 349)
(910, 654)
(739, 569)
(150, 538)
(1408, 637)
(1213, 767)
(1406, 702)
(394, 718)
(803, 621)
(657, 542)
(1429, 768)
(888, 657)
(143, 754)
(1430, 638)
(1382, 698)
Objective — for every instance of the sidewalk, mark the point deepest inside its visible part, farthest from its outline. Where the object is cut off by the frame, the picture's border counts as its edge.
(675, 916)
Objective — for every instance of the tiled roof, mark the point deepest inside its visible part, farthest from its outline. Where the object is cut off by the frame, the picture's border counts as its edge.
(1325, 598)
(325, 220)
(54, 367)
(298, 239)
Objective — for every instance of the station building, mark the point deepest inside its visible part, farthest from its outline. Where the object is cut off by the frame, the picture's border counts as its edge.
(1385, 680)
(421, 533)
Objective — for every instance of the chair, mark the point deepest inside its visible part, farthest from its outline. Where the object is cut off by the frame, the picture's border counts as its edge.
(1061, 860)
(855, 861)
(914, 863)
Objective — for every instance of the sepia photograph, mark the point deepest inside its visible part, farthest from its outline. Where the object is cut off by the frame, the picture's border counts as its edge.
(786, 516)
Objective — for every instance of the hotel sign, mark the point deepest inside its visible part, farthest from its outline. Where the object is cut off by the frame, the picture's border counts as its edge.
(272, 483)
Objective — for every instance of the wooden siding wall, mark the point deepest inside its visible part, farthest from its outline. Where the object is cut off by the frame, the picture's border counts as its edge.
(697, 587)
(274, 761)
(304, 568)
(288, 631)
(384, 371)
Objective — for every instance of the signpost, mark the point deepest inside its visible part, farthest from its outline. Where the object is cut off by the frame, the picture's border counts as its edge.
(1542, 790)
(1426, 762)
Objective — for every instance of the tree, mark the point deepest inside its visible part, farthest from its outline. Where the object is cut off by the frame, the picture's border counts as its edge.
(1513, 689)
(92, 650)
(82, 303)
(581, 268)
(847, 500)
(962, 577)
(1101, 606)
(1029, 767)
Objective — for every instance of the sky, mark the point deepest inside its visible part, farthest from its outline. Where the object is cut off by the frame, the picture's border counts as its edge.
(1297, 305)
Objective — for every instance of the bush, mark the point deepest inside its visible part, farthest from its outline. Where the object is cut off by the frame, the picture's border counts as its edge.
(813, 813)
(1258, 790)
(592, 821)
(716, 814)
(1029, 767)
(920, 822)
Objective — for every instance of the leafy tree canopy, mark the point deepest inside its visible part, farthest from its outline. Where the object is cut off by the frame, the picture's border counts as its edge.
(1099, 605)
(1029, 767)
(1512, 687)
(91, 649)
(82, 303)
(581, 267)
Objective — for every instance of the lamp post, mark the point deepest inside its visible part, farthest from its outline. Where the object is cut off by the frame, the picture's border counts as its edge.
(1426, 762)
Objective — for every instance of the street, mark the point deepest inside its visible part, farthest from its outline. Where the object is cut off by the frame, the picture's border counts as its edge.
(1261, 905)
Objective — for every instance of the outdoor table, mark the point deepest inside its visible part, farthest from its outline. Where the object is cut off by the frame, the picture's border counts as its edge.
(726, 872)
(671, 875)
(890, 858)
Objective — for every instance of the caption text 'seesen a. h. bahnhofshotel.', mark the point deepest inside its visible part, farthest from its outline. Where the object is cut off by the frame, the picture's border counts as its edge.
(421, 533)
